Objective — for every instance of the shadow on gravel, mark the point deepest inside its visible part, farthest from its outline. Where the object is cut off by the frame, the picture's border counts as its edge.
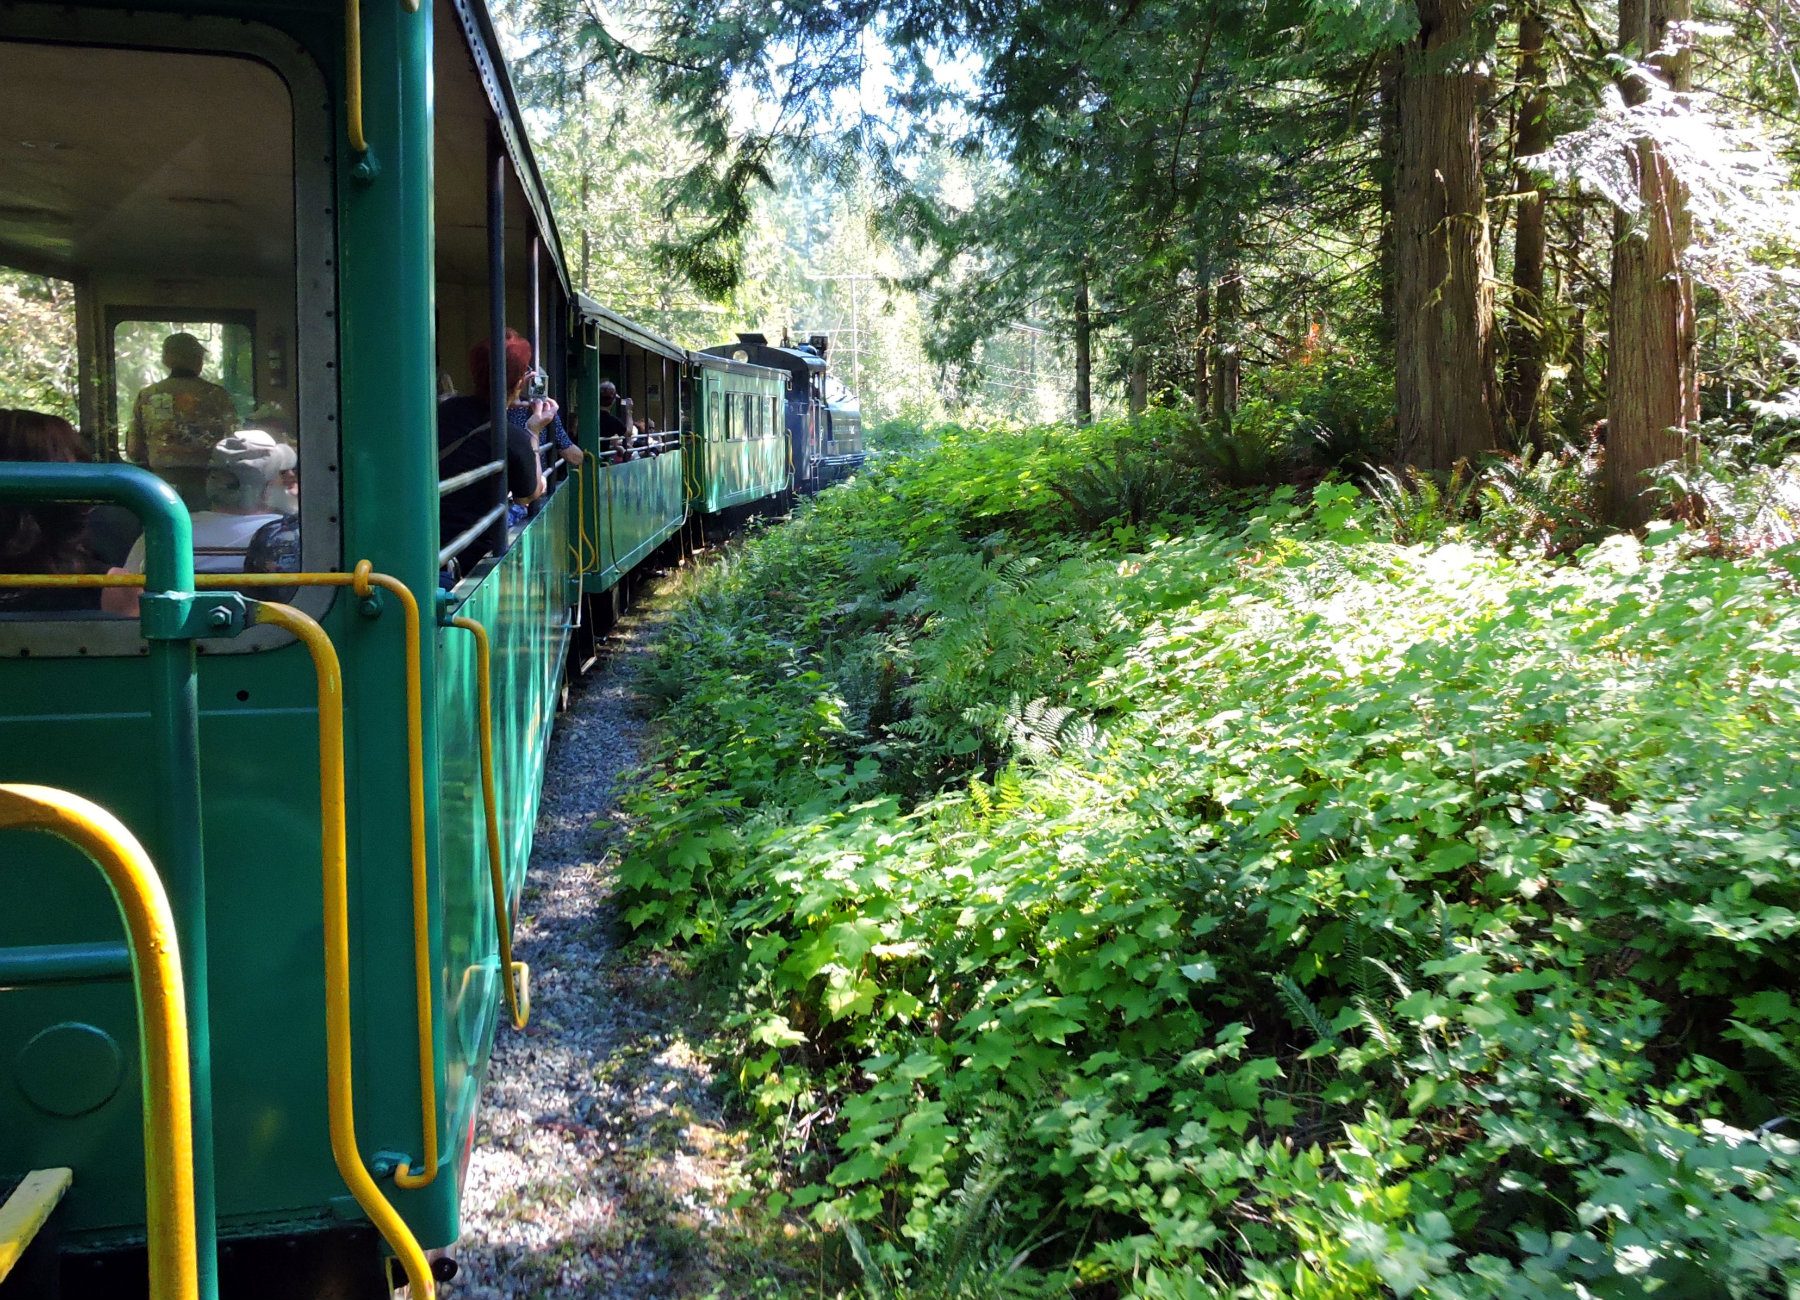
(603, 1163)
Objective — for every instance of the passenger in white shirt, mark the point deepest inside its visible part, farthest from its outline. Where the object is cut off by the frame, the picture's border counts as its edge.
(250, 482)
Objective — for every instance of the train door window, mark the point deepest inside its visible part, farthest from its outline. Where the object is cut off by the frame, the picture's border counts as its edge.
(153, 175)
(227, 355)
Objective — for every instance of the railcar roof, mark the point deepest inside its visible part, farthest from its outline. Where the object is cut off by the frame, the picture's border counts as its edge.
(798, 365)
(503, 98)
(630, 330)
(712, 361)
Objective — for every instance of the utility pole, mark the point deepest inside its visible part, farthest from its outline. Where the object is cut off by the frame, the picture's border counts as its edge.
(856, 283)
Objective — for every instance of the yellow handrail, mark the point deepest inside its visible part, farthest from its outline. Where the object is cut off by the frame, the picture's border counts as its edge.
(340, 1091)
(612, 536)
(361, 580)
(587, 552)
(517, 974)
(365, 579)
(353, 87)
(162, 1019)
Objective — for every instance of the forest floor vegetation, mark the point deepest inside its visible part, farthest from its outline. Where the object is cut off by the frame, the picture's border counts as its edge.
(1129, 881)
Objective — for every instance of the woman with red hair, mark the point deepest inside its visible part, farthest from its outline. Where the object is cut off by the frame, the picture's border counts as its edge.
(537, 414)
(464, 443)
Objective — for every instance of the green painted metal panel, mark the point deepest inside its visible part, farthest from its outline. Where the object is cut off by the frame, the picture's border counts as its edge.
(83, 724)
(632, 508)
(259, 776)
(522, 602)
(731, 471)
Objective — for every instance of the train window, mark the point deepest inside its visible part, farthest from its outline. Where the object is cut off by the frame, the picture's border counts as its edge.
(228, 352)
(38, 367)
(149, 200)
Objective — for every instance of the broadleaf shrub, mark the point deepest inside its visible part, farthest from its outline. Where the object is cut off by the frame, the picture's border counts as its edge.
(1287, 911)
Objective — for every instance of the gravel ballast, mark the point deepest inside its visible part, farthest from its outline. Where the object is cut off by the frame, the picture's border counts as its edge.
(602, 1163)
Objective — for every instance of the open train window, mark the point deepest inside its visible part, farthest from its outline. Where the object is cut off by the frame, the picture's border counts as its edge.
(153, 176)
(38, 366)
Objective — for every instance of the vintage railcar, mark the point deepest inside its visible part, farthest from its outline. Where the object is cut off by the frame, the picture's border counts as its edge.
(311, 790)
(634, 492)
(822, 421)
(739, 450)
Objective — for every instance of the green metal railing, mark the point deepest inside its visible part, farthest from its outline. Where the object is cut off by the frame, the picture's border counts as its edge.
(173, 616)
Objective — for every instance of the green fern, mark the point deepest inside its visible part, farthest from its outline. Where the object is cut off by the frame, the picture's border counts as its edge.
(964, 1256)
(1414, 506)
(1044, 731)
(1303, 1010)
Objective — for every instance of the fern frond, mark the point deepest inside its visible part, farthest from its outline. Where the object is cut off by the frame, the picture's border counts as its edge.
(1356, 954)
(973, 1224)
(874, 1283)
(1378, 1028)
(1303, 1009)
(1394, 976)
(1009, 791)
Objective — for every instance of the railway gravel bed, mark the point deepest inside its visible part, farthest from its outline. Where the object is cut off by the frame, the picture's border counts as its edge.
(603, 1160)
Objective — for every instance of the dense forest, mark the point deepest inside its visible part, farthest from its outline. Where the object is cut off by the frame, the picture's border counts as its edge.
(1536, 228)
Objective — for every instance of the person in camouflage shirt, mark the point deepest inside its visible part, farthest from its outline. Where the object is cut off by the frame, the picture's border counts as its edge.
(175, 422)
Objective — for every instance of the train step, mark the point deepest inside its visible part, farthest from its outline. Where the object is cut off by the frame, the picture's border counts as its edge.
(26, 1205)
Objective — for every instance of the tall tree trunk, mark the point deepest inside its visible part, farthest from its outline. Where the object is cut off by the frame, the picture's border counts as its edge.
(1652, 387)
(1525, 330)
(1139, 395)
(1227, 360)
(1202, 345)
(1443, 262)
(1084, 354)
(1387, 163)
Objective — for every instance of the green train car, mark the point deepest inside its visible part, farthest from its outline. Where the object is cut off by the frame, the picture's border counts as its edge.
(302, 718)
(634, 491)
(738, 445)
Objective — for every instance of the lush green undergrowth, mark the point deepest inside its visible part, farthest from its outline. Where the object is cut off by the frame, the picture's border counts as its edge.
(1240, 904)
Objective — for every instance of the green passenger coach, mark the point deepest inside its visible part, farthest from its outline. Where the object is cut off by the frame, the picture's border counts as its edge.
(279, 665)
(634, 491)
(739, 443)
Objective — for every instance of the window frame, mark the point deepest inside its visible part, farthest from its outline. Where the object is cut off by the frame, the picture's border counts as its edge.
(313, 361)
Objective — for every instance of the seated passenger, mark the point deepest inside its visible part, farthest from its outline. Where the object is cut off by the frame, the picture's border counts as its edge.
(615, 430)
(250, 483)
(176, 422)
(465, 443)
(275, 549)
(45, 537)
